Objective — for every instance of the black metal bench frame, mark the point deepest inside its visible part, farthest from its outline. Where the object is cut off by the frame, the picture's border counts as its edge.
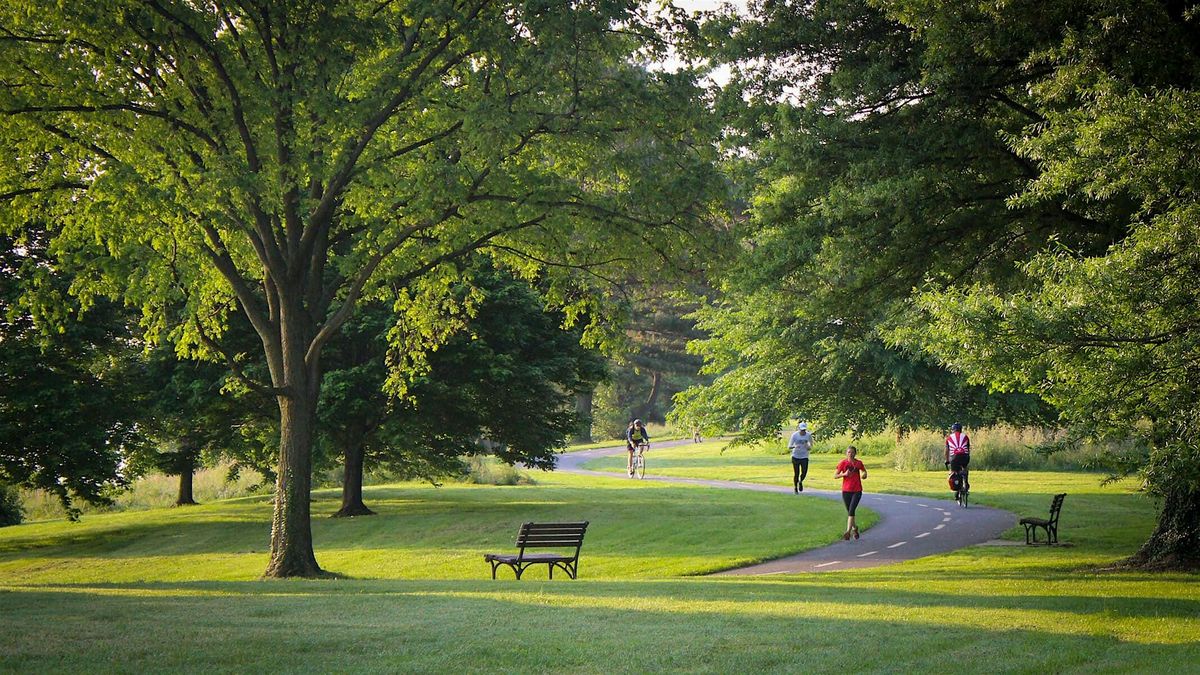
(1050, 525)
(543, 535)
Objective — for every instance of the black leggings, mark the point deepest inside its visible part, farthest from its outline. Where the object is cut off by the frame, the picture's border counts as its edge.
(799, 470)
(851, 499)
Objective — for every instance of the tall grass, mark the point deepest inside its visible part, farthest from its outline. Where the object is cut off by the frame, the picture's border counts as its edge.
(153, 491)
(1005, 447)
(998, 447)
(873, 445)
(486, 470)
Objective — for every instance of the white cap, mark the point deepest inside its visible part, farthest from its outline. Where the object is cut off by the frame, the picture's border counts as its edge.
(803, 427)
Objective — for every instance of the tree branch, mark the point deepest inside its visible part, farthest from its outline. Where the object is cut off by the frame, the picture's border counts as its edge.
(334, 323)
(238, 371)
(6, 196)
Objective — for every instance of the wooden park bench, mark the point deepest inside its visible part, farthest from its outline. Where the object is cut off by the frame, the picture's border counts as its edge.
(563, 536)
(1050, 525)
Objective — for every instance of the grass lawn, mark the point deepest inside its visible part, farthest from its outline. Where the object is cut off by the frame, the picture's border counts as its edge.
(176, 589)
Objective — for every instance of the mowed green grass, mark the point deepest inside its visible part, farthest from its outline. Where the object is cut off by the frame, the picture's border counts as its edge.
(1107, 519)
(175, 590)
(638, 530)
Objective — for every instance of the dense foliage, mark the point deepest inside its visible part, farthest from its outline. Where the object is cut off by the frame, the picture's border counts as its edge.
(68, 402)
(973, 212)
(286, 159)
(504, 386)
(11, 510)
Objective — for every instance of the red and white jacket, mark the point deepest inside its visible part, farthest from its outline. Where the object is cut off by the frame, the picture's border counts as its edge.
(958, 443)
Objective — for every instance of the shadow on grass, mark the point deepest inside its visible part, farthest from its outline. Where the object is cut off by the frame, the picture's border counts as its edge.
(741, 597)
(407, 520)
(593, 627)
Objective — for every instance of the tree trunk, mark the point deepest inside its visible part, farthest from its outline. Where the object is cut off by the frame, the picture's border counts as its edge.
(583, 408)
(299, 384)
(644, 411)
(352, 483)
(185, 486)
(1175, 544)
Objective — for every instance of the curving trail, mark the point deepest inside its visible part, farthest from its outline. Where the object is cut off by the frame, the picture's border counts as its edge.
(908, 527)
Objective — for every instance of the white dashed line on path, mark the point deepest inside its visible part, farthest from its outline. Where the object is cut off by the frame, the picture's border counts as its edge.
(901, 501)
(946, 519)
(832, 562)
(863, 555)
(940, 526)
(923, 534)
(899, 543)
(924, 506)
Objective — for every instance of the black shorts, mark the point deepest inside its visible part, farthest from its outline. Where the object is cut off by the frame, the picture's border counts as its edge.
(851, 499)
(960, 462)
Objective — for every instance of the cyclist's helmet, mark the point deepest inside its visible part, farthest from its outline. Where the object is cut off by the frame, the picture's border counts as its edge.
(956, 427)
(637, 423)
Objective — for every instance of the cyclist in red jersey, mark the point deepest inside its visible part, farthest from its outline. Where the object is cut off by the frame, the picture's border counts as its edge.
(852, 472)
(958, 453)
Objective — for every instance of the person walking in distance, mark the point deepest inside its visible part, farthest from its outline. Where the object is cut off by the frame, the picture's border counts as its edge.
(958, 453)
(852, 472)
(800, 444)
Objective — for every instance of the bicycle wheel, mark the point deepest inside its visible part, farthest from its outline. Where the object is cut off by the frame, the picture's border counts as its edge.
(639, 466)
(965, 493)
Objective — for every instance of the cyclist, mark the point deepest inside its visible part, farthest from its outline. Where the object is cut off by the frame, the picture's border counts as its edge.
(635, 434)
(958, 453)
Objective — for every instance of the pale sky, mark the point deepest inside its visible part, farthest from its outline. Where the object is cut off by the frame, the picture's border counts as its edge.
(721, 75)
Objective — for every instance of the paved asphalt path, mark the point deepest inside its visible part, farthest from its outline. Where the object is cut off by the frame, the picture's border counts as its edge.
(908, 527)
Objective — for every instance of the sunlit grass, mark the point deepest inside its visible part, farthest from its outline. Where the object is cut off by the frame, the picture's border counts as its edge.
(907, 619)
(637, 530)
(1095, 511)
(177, 589)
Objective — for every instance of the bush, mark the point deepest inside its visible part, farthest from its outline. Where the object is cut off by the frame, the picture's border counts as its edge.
(922, 451)
(482, 470)
(11, 511)
(872, 445)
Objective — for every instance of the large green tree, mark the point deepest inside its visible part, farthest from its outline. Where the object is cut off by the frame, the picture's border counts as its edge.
(192, 417)
(1112, 337)
(69, 404)
(503, 385)
(966, 201)
(288, 158)
(871, 169)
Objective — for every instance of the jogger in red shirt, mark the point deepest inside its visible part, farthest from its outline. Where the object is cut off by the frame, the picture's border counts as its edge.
(852, 472)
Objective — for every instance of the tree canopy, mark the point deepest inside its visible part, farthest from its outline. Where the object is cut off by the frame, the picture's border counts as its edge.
(972, 212)
(287, 159)
(504, 385)
(68, 394)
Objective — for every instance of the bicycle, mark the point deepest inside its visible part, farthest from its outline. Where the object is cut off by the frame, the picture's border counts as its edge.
(962, 489)
(639, 460)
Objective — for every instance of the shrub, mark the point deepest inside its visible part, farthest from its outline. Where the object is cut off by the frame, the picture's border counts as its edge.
(921, 451)
(482, 470)
(870, 445)
(873, 445)
(11, 511)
